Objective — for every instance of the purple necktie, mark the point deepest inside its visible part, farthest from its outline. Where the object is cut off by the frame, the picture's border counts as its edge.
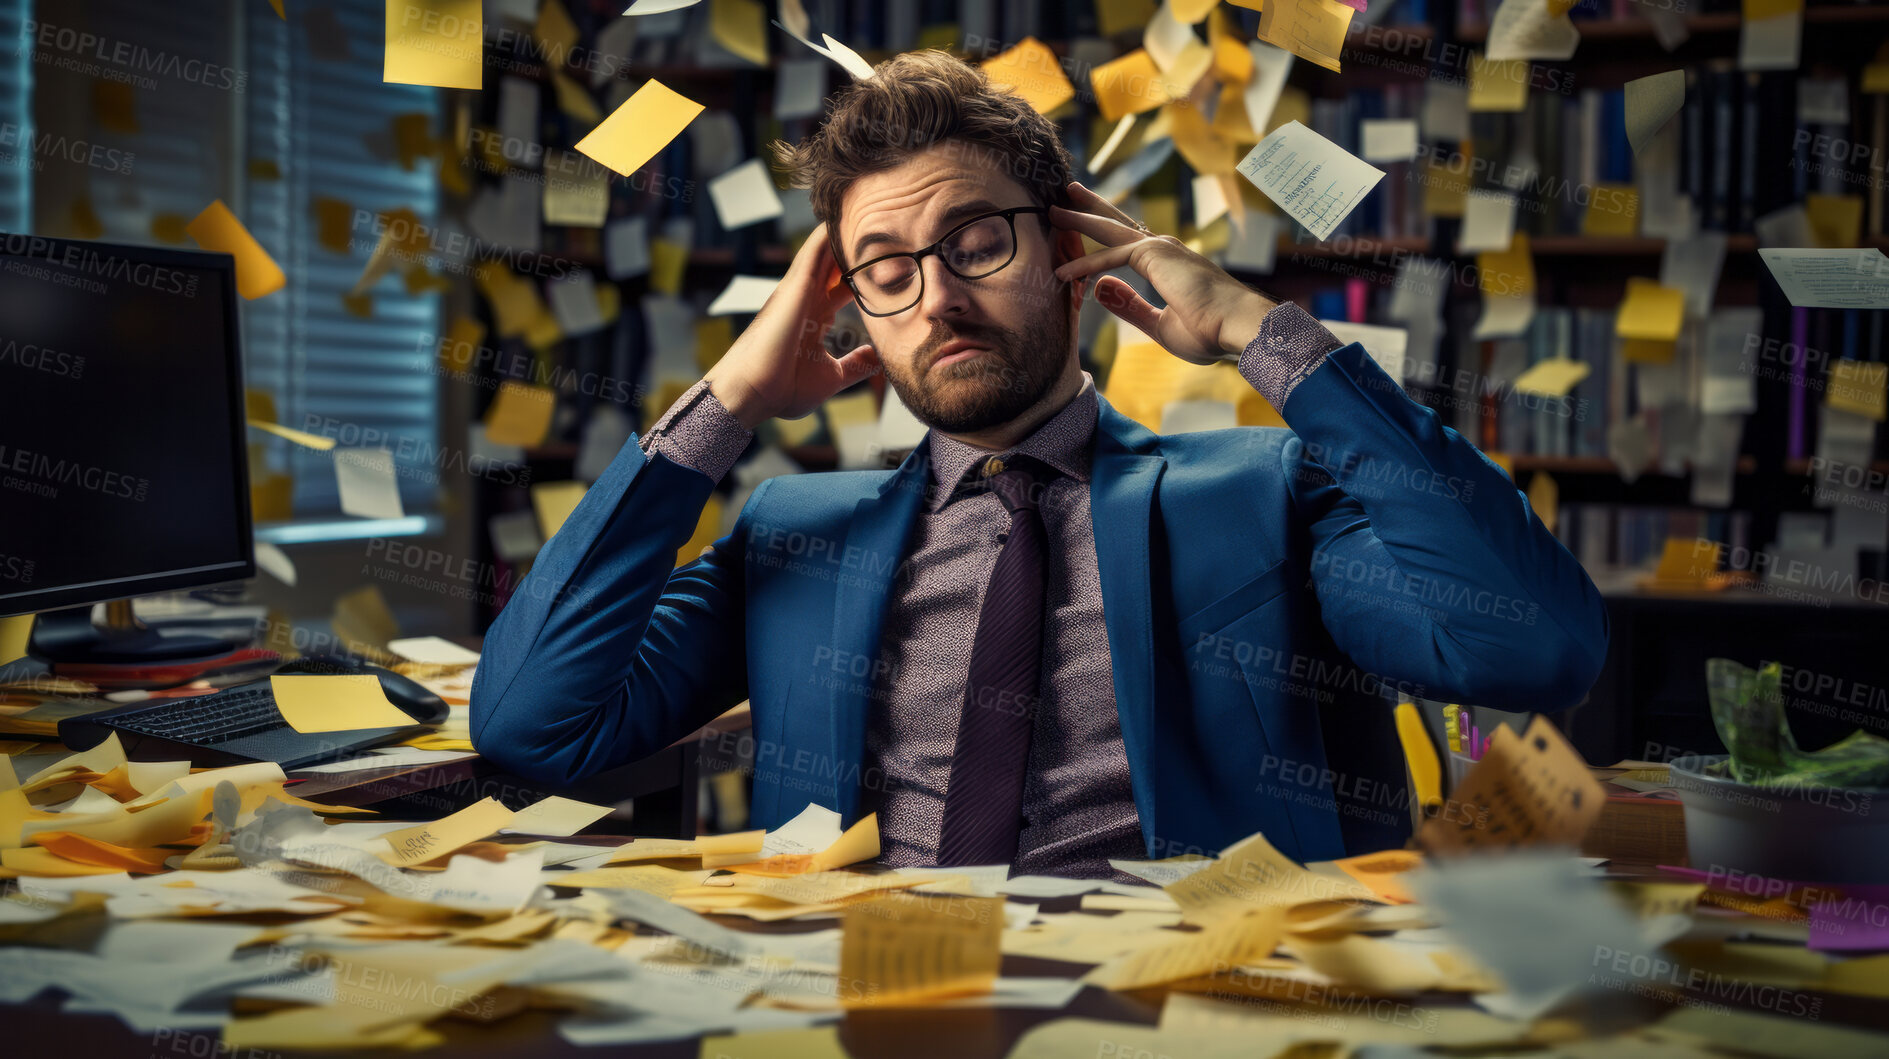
(983, 810)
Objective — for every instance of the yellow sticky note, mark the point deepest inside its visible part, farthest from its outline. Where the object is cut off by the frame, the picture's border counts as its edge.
(1498, 85)
(707, 530)
(643, 125)
(1031, 70)
(217, 229)
(1232, 59)
(1120, 16)
(434, 42)
(555, 30)
(169, 228)
(1857, 386)
(1552, 377)
(424, 842)
(1128, 85)
(306, 440)
(1648, 350)
(1507, 273)
(575, 100)
(850, 409)
(1683, 560)
(1651, 311)
(361, 305)
(334, 703)
(1191, 955)
(1836, 220)
(114, 105)
(558, 816)
(1313, 30)
(741, 27)
(520, 414)
(515, 301)
(543, 332)
(713, 336)
(812, 1042)
(1195, 139)
(667, 261)
(333, 224)
(1528, 790)
(362, 616)
(15, 633)
(277, 4)
(1544, 495)
(1613, 210)
(1252, 874)
(554, 502)
(1757, 9)
(1445, 188)
(576, 191)
(942, 36)
(896, 949)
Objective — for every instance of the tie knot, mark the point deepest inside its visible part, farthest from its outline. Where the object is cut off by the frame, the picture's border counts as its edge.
(1014, 481)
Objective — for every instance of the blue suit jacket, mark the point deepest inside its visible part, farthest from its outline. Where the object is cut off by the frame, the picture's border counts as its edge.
(1260, 587)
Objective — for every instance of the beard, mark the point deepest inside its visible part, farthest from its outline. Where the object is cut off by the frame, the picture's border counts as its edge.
(986, 390)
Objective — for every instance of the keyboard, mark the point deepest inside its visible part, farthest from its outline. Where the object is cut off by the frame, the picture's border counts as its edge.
(242, 723)
(238, 711)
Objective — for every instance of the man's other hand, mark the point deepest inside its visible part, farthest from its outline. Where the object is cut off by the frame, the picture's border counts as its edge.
(779, 367)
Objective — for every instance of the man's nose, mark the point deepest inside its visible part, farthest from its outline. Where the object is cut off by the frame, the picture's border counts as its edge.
(946, 294)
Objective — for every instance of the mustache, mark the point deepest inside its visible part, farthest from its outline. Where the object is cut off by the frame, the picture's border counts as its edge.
(927, 353)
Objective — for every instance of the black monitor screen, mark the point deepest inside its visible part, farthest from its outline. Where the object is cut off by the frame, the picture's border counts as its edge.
(122, 454)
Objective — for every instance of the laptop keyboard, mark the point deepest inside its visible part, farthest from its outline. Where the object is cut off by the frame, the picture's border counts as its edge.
(208, 721)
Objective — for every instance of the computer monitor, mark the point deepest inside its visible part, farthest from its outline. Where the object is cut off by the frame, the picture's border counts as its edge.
(123, 456)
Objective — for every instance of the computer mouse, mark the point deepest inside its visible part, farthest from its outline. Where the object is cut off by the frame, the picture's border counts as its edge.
(404, 692)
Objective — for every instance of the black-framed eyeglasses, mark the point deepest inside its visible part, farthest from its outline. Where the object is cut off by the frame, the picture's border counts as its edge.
(981, 246)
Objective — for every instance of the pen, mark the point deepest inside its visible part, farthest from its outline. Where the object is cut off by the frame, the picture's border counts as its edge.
(1475, 743)
(1451, 730)
(1426, 775)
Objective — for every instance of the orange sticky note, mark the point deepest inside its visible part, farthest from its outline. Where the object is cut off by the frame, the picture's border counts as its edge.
(1128, 85)
(434, 42)
(1383, 872)
(277, 4)
(707, 529)
(1032, 71)
(217, 229)
(643, 125)
(1120, 16)
(520, 414)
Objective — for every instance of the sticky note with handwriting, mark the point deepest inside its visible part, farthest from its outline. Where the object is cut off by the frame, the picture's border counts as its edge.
(1528, 790)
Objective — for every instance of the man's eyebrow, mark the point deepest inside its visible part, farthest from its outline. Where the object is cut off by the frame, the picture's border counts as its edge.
(951, 216)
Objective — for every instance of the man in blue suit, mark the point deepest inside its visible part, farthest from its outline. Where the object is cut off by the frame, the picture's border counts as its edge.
(1050, 637)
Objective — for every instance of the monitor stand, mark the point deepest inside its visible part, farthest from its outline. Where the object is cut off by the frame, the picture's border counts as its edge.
(70, 636)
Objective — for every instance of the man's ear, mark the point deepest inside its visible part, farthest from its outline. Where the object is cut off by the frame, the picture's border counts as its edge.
(1068, 246)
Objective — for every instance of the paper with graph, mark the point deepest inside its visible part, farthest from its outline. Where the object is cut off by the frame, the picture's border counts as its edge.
(1316, 182)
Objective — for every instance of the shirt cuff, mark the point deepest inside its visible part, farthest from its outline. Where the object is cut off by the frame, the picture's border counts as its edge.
(1291, 345)
(699, 433)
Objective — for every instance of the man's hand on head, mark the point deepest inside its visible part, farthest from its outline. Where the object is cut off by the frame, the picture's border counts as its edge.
(1209, 315)
(779, 366)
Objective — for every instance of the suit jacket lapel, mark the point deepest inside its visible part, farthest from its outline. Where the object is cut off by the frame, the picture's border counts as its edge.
(876, 539)
(1121, 507)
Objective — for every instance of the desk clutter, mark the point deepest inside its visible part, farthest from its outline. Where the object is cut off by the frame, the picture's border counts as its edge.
(218, 902)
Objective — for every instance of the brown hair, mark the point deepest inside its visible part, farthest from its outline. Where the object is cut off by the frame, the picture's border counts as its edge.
(913, 102)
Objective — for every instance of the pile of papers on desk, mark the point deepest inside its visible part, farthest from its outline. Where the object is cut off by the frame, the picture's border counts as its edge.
(218, 902)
